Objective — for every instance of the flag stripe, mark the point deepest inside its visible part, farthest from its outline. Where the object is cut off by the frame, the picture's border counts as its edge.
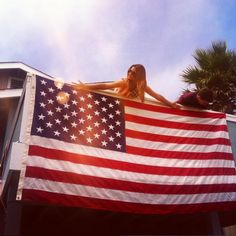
(171, 111)
(175, 139)
(121, 165)
(135, 158)
(176, 132)
(124, 196)
(175, 125)
(178, 155)
(127, 175)
(68, 177)
(70, 200)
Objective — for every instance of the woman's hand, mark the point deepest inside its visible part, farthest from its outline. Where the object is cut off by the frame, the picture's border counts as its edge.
(175, 105)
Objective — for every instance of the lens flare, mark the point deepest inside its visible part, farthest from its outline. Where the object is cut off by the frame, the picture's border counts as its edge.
(59, 83)
(62, 97)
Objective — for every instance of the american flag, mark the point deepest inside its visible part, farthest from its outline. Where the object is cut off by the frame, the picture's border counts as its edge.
(97, 151)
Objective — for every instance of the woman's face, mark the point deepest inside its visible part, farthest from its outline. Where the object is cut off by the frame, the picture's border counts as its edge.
(132, 73)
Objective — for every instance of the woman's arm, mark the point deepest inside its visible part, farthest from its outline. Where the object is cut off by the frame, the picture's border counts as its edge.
(160, 98)
(97, 86)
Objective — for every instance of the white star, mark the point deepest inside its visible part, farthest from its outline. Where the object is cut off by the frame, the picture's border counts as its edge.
(39, 130)
(81, 121)
(66, 105)
(104, 143)
(49, 124)
(118, 123)
(118, 146)
(89, 140)
(73, 137)
(111, 139)
(118, 112)
(58, 109)
(50, 113)
(74, 113)
(90, 95)
(90, 106)
(96, 102)
(82, 98)
(104, 109)
(73, 124)
(104, 131)
(56, 133)
(81, 109)
(89, 117)
(57, 121)
(117, 102)
(104, 99)
(111, 116)
(65, 129)
(43, 82)
(51, 90)
(66, 117)
(81, 132)
(74, 102)
(41, 117)
(118, 134)
(96, 113)
(74, 92)
(96, 124)
(96, 136)
(111, 127)
(104, 120)
(50, 101)
(59, 98)
(67, 95)
(110, 105)
(42, 104)
(42, 93)
(89, 128)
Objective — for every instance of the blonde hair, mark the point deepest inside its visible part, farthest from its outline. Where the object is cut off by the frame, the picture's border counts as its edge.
(137, 87)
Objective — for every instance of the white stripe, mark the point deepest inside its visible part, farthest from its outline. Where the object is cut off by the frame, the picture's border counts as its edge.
(177, 147)
(120, 156)
(173, 117)
(175, 132)
(125, 196)
(121, 175)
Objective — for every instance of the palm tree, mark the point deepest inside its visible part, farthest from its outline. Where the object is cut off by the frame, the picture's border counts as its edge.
(216, 70)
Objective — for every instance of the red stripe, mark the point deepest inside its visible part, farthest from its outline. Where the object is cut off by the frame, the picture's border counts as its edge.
(126, 166)
(175, 139)
(77, 201)
(173, 111)
(178, 154)
(174, 125)
(106, 183)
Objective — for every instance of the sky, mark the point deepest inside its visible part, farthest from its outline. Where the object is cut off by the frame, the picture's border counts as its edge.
(97, 40)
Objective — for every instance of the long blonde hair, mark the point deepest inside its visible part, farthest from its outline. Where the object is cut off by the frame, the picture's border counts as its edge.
(137, 86)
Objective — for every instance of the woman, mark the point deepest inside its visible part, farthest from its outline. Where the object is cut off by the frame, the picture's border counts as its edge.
(133, 86)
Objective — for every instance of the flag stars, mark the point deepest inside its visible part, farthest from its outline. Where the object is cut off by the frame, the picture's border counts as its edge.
(89, 117)
(81, 109)
(43, 93)
(58, 109)
(43, 82)
(111, 116)
(74, 102)
(97, 113)
(56, 133)
(90, 106)
(81, 132)
(104, 99)
(104, 131)
(90, 95)
(74, 113)
(117, 102)
(49, 125)
(73, 137)
(42, 105)
(89, 140)
(118, 146)
(58, 121)
(50, 101)
(74, 92)
(111, 127)
(73, 124)
(66, 105)
(110, 105)
(118, 123)
(118, 134)
(81, 121)
(96, 102)
(41, 117)
(118, 112)
(39, 130)
(66, 117)
(50, 113)
(89, 128)
(51, 90)
(111, 139)
(82, 99)
(104, 120)
(96, 124)
(104, 109)
(104, 143)
(96, 135)
(65, 129)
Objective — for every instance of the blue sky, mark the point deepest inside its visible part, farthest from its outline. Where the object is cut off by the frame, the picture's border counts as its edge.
(91, 40)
